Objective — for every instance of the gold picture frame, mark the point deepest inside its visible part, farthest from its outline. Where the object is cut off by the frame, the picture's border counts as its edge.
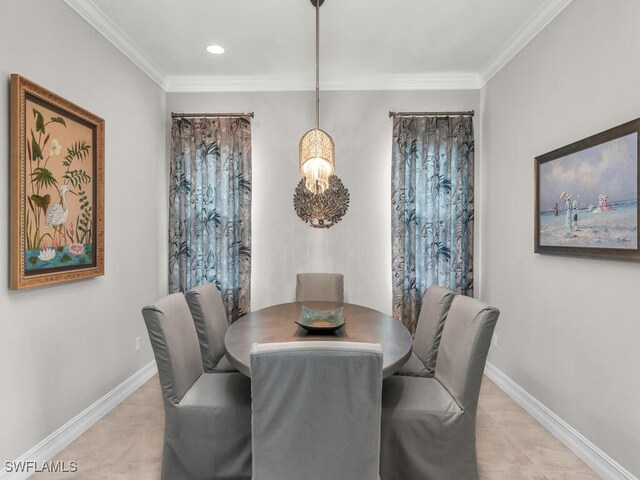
(57, 188)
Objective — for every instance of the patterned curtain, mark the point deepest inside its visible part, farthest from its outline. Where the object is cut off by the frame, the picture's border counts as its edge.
(432, 210)
(210, 208)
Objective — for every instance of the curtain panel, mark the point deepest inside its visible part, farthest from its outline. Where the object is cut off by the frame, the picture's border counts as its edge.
(432, 210)
(210, 208)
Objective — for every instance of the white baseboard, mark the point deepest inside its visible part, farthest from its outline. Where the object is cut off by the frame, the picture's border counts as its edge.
(604, 465)
(599, 461)
(67, 433)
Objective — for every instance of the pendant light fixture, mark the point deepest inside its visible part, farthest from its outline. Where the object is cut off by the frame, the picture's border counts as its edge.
(317, 151)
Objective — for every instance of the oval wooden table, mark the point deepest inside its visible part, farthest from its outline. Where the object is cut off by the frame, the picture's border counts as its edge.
(276, 324)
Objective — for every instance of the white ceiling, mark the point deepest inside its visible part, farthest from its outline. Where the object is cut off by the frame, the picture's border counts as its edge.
(365, 44)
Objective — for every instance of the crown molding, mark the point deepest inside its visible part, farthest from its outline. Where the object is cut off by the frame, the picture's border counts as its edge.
(109, 30)
(245, 83)
(444, 81)
(538, 21)
(92, 14)
(429, 81)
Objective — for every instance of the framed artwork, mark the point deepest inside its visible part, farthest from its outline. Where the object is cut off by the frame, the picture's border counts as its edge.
(57, 188)
(587, 196)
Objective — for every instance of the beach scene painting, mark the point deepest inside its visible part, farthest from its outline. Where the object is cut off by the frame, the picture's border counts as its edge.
(587, 195)
(57, 190)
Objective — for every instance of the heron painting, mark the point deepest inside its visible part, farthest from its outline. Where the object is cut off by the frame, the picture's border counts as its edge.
(57, 188)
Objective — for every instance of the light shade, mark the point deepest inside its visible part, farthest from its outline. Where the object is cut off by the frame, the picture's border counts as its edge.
(317, 159)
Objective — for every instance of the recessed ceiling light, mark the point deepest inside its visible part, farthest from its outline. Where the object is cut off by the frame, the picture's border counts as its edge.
(215, 49)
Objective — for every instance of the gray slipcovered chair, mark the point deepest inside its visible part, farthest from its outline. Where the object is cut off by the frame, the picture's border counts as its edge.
(316, 410)
(211, 324)
(428, 424)
(321, 287)
(207, 433)
(435, 308)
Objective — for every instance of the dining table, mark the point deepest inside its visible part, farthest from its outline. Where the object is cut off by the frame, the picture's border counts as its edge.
(277, 324)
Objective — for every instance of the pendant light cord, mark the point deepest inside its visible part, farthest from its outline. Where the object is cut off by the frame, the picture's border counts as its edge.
(318, 64)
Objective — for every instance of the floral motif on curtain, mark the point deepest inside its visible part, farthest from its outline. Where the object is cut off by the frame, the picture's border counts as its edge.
(210, 208)
(432, 210)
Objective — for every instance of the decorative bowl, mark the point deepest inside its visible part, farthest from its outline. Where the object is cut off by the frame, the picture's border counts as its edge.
(321, 321)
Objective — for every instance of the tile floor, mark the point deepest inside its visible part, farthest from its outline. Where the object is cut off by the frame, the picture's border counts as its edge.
(127, 443)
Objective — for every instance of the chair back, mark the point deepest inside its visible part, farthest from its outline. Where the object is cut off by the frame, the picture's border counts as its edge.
(435, 307)
(321, 287)
(210, 319)
(175, 345)
(316, 410)
(464, 346)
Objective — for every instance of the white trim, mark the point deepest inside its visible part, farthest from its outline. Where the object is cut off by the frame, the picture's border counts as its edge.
(440, 81)
(210, 83)
(538, 21)
(88, 10)
(67, 433)
(92, 14)
(95, 17)
(599, 461)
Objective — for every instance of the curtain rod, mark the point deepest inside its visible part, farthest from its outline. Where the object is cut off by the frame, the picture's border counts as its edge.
(245, 114)
(424, 114)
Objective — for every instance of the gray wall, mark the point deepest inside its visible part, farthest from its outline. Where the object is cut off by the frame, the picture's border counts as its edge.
(360, 245)
(569, 330)
(63, 347)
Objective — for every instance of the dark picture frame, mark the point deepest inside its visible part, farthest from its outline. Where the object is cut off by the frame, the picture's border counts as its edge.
(57, 188)
(586, 196)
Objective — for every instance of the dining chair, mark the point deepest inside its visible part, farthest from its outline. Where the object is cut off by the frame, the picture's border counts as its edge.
(433, 313)
(211, 324)
(428, 424)
(207, 432)
(322, 287)
(316, 410)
